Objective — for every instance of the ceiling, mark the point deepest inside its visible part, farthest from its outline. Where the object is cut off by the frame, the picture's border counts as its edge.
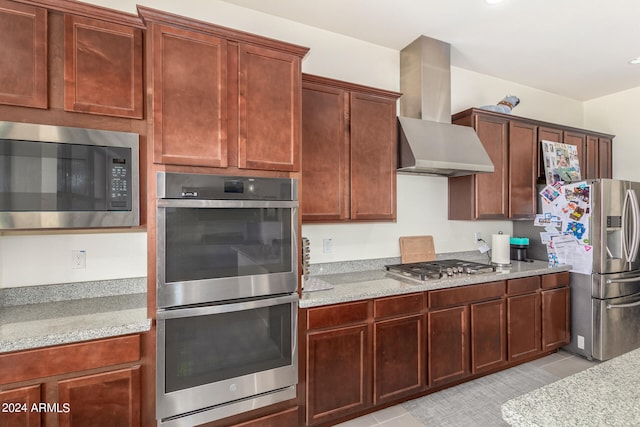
(575, 48)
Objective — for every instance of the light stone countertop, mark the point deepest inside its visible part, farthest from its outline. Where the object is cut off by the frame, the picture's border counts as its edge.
(607, 394)
(37, 317)
(377, 283)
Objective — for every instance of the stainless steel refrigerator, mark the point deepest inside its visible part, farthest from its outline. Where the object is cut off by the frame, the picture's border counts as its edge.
(605, 304)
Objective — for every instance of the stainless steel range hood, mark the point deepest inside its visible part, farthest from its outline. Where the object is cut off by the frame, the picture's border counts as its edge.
(429, 143)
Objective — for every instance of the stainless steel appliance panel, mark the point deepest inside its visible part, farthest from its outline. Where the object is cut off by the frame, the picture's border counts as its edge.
(615, 229)
(223, 250)
(63, 177)
(210, 357)
(616, 326)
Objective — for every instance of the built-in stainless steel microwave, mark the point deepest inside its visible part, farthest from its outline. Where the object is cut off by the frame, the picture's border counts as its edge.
(63, 177)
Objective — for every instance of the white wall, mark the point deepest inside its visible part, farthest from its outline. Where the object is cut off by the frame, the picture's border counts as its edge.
(46, 259)
(422, 201)
(617, 114)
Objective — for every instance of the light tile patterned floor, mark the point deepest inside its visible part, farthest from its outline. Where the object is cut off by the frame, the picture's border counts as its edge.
(476, 403)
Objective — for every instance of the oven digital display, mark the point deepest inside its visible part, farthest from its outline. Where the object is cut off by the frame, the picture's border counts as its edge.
(234, 187)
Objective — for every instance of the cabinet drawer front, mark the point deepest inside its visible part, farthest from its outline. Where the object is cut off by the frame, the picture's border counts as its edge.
(466, 294)
(46, 362)
(524, 285)
(398, 306)
(336, 315)
(556, 280)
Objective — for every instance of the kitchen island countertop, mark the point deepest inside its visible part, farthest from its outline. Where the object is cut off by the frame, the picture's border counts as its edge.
(604, 395)
(379, 283)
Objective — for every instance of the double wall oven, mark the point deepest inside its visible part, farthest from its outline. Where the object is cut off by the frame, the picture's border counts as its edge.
(226, 294)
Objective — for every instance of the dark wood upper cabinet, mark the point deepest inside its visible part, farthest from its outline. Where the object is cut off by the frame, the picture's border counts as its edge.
(270, 107)
(349, 147)
(221, 97)
(514, 145)
(189, 97)
(23, 80)
(102, 68)
(523, 157)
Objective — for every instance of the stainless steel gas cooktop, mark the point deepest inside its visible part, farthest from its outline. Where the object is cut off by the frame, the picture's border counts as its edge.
(432, 270)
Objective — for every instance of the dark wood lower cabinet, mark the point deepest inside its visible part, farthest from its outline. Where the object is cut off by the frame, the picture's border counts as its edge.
(107, 399)
(398, 358)
(488, 335)
(523, 314)
(371, 353)
(16, 407)
(338, 372)
(555, 318)
(448, 348)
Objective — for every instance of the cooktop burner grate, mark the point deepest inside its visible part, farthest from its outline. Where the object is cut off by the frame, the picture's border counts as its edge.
(431, 270)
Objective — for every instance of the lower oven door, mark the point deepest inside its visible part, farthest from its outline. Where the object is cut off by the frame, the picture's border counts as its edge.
(616, 326)
(220, 360)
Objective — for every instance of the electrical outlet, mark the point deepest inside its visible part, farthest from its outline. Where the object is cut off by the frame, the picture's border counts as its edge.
(327, 246)
(78, 259)
(477, 236)
(580, 342)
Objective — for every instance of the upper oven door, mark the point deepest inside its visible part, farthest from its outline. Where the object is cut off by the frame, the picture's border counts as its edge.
(217, 250)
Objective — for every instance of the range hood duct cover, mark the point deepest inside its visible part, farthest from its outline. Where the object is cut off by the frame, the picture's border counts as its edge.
(428, 142)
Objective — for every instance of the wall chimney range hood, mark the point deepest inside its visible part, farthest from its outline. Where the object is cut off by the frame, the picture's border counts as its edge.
(428, 143)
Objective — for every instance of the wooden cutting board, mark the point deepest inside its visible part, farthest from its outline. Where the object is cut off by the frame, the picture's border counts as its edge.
(417, 249)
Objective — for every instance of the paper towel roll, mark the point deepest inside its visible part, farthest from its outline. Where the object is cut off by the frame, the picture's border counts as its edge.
(500, 249)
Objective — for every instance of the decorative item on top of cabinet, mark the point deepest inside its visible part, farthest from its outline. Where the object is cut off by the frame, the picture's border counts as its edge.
(221, 97)
(349, 144)
(23, 81)
(102, 68)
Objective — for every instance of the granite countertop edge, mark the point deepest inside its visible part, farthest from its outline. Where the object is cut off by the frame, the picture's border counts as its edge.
(36, 317)
(363, 285)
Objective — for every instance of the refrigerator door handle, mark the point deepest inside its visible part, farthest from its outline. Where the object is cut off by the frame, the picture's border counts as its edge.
(625, 220)
(627, 280)
(635, 215)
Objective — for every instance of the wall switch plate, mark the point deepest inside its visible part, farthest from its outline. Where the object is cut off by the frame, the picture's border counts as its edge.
(580, 342)
(327, 246)
(78, 259)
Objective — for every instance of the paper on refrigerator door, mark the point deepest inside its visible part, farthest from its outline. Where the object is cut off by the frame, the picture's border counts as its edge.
(568, 250)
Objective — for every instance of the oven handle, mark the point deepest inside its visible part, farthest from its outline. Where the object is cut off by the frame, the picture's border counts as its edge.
(189, 203)
(177, 313)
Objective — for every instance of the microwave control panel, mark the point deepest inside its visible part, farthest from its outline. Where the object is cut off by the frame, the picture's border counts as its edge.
(120, 184)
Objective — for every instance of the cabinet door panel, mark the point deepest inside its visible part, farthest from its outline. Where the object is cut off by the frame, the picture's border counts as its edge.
(491, 188)
(23, 80)
(523, 319)
(580, 141)
(488, 335)
(591, 169)
(605, 156)
(555, 318)
(325, 154)
(108, 399)
(448, 345)
(373, 157)
(398, 358)
(546, 134)
(24, 397)
(102, 68)
(190, 97)
(522, 170)
(338, 373)
(270, 106)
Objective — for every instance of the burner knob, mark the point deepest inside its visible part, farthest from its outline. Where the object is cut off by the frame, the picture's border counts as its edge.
(460, 270)
(449, 271)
